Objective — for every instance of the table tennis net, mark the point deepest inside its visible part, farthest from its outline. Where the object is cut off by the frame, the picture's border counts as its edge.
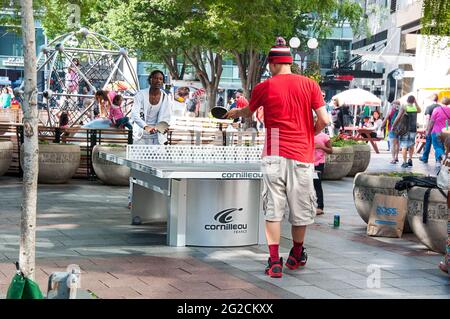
(195, 153)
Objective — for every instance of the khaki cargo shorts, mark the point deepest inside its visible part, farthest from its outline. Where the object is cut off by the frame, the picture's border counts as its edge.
(288, 188)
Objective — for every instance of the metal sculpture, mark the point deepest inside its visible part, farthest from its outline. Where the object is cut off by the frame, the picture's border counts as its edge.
(73, 67)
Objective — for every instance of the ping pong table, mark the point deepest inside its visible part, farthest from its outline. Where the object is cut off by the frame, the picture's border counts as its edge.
(208, 195)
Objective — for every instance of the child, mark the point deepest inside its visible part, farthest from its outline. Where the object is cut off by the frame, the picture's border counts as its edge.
(322, 147)
(64, 120)
(116, 115)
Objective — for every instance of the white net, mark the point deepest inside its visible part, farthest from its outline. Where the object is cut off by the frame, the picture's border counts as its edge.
(195, 153)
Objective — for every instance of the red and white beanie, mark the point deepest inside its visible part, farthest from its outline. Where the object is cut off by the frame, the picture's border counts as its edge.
(280, 53)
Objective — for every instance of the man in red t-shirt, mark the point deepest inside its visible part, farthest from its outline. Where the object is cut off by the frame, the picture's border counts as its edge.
(288, 101)
(241, 101)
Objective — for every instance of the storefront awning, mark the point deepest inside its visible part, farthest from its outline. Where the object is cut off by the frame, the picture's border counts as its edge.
(387, 58)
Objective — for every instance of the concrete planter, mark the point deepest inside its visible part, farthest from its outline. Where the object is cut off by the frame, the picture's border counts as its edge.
(57, 162)
(6, 153)
(366, 185)
(433, 233)
(338, 164)
(110, 173)
(361, 159)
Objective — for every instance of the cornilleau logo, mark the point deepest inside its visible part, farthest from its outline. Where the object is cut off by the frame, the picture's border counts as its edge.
(224, 216)
(225, 219)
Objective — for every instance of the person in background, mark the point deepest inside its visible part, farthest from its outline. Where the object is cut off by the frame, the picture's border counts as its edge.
(241, 102)
(64, 120)
(116, 114)
(5, 99)
(392, 136)
(104, 102)
(260, 118)
(408, 140)
(376, 122)
(72, 77)
(428, 113)
(323, 147)
(335, 116)
(151, 106)
(289, 101)
(438, 121)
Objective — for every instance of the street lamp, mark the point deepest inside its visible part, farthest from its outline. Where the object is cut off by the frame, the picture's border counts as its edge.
(294, 43)
(397, 75)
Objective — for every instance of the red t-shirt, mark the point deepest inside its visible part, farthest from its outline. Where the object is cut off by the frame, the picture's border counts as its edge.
(241, 102)
(288, 101)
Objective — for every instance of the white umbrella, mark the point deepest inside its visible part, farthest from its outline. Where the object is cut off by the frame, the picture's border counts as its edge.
(357, 97)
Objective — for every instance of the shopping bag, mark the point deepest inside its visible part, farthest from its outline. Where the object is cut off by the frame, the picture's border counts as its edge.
(23, 288)
(387, 216)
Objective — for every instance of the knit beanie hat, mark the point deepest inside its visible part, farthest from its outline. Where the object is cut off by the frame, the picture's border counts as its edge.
(280, 53)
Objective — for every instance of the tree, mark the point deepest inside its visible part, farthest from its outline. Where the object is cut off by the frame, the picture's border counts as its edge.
(250, 28)
(172, 32)
(30, 145)
(436, 17)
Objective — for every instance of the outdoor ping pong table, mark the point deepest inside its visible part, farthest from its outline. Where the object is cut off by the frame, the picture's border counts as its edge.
(209, 195)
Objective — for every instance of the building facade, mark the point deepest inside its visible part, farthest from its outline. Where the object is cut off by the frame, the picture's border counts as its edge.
(395, 46)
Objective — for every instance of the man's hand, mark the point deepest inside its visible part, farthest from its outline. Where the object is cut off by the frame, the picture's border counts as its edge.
(232, 114)
(150, 129)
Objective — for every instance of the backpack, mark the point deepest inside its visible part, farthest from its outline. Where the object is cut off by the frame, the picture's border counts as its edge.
(402, 127)
(429, 182)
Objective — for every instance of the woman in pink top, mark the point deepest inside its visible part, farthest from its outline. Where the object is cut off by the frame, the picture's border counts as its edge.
(437, 122)
(116, 115)
(323, 147)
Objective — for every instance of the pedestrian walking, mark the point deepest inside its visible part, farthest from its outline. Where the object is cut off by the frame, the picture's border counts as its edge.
(428, 113)
(438, 121)
(408, 140)
(288, 101)
(392, 136)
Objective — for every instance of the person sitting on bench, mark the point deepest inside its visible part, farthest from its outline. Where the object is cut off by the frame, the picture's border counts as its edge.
(116, 114)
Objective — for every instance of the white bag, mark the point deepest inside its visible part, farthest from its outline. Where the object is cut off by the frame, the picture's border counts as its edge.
(442, 177)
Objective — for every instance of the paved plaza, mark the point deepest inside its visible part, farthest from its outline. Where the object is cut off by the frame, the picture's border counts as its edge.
(88, 224)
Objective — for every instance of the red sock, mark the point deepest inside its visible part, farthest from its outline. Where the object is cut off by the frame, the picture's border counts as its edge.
(273, 251)
(297, 249)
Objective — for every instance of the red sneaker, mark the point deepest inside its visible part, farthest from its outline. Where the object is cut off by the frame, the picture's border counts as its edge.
(275, 269)
(293, 263)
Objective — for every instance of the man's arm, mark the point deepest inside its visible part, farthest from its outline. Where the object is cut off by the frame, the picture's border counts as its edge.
(399, 116)
(322, 119)
(429, 127)
(236, 113)
(418, 107)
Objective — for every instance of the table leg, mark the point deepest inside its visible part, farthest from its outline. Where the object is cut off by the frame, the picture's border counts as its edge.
(261, 221)
(375, 146)
(176, 225)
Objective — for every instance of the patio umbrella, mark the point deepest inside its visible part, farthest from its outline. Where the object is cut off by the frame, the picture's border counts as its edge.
(357, 97)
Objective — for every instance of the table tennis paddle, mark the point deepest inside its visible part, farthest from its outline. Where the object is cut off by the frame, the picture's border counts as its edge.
(162, 126)
(218, 112)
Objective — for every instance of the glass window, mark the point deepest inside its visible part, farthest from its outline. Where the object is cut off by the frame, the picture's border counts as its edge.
(12, 42)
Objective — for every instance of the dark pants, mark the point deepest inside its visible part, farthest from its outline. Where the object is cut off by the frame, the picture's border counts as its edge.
(318, 185)
(427, 148)
(125, 122)
(372, 134)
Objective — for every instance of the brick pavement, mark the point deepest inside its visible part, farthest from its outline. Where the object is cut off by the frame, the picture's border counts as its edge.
(88, 224)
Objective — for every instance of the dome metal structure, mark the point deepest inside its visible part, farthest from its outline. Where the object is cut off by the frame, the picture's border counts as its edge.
(73, 67)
